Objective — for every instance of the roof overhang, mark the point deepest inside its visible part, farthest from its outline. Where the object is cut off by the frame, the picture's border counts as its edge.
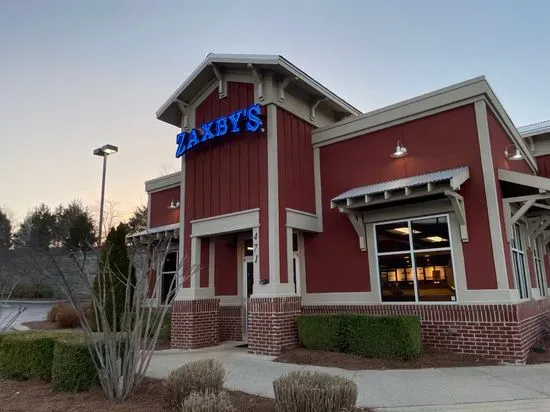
(159, 232)
(457, 95)
(440, 184)
(526, 197)
(163, 182)
(535, 129)
(205, 74)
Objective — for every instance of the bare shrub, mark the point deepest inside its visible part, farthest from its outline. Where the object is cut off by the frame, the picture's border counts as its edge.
(303, 391)
(202, 376)
(67, 317)
(208, 402)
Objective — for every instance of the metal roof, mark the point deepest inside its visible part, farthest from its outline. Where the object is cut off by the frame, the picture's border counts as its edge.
(535, 128)
(155, 230)
(455, 177)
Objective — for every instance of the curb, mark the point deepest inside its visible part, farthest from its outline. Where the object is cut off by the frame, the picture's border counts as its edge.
(33, 301)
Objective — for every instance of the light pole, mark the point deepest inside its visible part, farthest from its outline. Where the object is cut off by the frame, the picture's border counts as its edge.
(103, 151)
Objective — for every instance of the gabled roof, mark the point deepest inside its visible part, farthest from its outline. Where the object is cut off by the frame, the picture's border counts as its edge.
(204, 75)
(534, 129)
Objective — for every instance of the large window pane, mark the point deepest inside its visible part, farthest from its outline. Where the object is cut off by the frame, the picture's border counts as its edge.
(431, 233)
(435, 277)
(396, 278)
(171, 262)
(393, 237)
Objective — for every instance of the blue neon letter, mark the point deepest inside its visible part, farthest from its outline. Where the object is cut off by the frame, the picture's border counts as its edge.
(180, 140)
(207, 132)
(221, 126)
(234, 117)
(193, 139)
(254, 122)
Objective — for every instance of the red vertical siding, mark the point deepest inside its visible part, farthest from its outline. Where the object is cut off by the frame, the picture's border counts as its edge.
(228, 174)
(205, 262)
(543, 163)
(160, 214)
(499, 141)
(225, 268)
(295, 173)
(442, 141)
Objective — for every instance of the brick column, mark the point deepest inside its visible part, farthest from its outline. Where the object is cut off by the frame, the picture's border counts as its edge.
(195, 323)
(272, 326)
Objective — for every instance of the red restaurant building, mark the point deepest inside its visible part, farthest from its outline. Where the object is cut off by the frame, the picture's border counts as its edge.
(291, 201)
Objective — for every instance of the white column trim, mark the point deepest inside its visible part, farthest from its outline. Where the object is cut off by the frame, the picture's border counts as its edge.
(273, 195)
(318, 191)
(255, 256)
(211, 263)
(489, 180)
(195, 262)
(289, 256)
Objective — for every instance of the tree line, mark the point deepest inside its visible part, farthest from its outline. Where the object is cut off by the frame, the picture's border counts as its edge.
(72, 227)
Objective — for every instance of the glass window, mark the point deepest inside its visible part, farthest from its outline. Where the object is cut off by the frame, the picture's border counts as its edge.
(539, 266)
(248, 247)
(170, 262)
(168, 278)
(518, 260)
(415, 261)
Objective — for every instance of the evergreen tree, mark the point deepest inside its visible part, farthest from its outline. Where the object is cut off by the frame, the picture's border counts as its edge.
(5, 231)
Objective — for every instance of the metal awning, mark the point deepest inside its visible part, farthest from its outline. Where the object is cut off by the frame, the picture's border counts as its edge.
(443, 183)
(526, 197)
(157, 232)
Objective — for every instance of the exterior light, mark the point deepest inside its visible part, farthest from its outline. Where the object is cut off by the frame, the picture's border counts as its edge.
(174, 205)
(103, 151)
(517, 155)
(400, 151)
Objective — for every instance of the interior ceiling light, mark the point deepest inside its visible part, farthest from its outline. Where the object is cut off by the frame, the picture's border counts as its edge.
(400, 151)
(435, 239)
(403, 230)
(516, 155)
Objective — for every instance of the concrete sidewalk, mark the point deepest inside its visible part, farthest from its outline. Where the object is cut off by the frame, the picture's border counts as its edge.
(490, 388)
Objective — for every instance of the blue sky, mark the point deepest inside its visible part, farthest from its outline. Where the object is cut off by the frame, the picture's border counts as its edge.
(77, 74)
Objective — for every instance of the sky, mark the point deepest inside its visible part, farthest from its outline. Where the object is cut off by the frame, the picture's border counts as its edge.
(76, 74)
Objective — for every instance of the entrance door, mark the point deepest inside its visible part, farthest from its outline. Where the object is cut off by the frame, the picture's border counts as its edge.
(247, 284)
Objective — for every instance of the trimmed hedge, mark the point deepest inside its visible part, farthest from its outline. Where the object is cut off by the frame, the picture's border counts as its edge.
(27, 355)
(73, 369)
(369, 336)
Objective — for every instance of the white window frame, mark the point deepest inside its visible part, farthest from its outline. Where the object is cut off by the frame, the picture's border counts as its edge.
(518, 230)
(411, 251)
(538, 257)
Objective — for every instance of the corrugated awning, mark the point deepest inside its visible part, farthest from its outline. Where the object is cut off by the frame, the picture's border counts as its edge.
(157, 232)
(421, 185)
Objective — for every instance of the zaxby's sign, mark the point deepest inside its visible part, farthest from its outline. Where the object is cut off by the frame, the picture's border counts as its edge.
(244, 119)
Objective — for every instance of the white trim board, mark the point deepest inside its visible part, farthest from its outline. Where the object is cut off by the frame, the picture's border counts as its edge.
(163, 182)
(305, 221)
(231, 222)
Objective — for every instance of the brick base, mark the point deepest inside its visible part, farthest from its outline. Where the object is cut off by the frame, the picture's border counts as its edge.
(272, 326)
(195, 323)
(500, 332)
(231, 323)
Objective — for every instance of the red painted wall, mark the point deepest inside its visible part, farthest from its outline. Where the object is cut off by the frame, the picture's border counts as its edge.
(225, 268)
(442, 141)
(543, 163)
(296, 178)
(229, 174)
(499, 142)
(160, 214)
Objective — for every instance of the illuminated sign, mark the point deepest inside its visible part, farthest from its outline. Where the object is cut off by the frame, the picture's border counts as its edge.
(248, 118)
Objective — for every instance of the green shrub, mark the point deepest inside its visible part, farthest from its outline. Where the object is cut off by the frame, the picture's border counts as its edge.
(208, 402)
(73, 369)
(26, 355)
(303, 391)
(321, 332)
(166, 328)
(370, 336)
(384, 336)
(32, 291)
(202, 376)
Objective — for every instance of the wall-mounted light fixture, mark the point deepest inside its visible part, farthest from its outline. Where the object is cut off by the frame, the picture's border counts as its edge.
(174, 205)
(400, 151)
(515, 155)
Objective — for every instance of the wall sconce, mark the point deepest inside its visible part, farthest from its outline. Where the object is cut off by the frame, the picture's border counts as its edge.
(517, 153)
(400, 151)
(174, 205)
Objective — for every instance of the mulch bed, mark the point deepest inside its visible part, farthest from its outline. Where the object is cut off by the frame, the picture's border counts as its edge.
(429, 359)
(540, 357)
(38, 397)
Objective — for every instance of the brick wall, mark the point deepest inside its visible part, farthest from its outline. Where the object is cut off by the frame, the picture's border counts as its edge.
(231, 323)
(501, 332)
(195, 323)
(272, 326)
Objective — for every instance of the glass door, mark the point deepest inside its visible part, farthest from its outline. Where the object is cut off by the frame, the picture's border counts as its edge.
(247, 283)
